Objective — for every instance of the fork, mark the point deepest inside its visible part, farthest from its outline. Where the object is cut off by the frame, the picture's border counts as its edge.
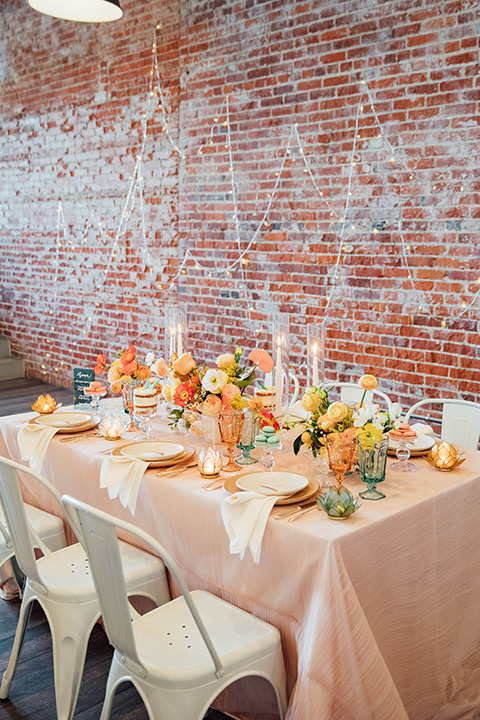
(74, 438)
(172, 473)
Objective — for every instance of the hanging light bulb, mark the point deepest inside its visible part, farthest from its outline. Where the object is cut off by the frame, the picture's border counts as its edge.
(79, 10)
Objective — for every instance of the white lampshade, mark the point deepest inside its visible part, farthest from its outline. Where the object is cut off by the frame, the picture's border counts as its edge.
(79, 10)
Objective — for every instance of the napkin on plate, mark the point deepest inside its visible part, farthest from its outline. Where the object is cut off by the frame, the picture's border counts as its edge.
(122, 476)
(422, 429)
(34, 441)
(245, 516)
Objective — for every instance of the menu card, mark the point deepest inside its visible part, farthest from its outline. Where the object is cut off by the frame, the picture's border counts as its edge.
(82, 377)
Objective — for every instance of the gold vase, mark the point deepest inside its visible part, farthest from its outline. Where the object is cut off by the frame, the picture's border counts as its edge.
(230, 425)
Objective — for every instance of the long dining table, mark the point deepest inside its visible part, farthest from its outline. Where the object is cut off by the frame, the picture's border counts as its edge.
(379, 615)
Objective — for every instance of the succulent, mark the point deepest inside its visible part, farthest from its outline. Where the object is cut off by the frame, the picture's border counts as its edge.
(338, 502)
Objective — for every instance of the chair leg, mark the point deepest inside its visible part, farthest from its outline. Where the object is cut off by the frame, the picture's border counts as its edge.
(71, 626)
(116, 676)
(23, 618)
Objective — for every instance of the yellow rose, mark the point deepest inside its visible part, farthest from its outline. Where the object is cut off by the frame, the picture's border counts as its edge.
(310, 402)
(368, 382)
(337, 411)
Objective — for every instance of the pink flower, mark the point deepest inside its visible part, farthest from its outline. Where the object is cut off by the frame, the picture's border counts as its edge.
(212, 405)
(161, 368)
(184, 364)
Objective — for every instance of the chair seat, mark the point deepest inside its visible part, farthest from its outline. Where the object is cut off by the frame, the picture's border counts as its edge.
(67, 575)
(48, 527)
(171, 648)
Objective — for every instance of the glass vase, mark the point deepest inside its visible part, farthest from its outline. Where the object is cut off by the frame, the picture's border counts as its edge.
(251, 428)
(372, 462)
(319, 469)
(230, 425)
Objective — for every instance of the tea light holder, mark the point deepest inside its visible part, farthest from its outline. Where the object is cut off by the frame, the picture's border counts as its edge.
(111, 427)
(444, 457)
(45, 404)
(209, 463)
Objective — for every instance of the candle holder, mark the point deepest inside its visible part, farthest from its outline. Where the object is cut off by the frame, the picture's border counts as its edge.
(175, 330)
(209, 463)
(281, 348)
(44, 405)
(444, 457)
(111, 427)
(315, 354)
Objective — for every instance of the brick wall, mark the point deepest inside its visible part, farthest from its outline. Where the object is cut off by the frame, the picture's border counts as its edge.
(73, 97)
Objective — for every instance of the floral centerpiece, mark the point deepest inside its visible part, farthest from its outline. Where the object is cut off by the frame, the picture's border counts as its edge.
(125, 368)
(212, 389)
(366, 421)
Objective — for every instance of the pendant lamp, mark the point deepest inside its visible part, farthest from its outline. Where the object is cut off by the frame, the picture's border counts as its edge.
(79, 10)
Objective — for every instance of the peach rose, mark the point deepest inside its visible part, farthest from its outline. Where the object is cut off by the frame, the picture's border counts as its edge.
(116, 387)
(337, 411)
(229, 392)
(143, 372)
(184, 364)
(325, 423)
(113, 374)
(256, 404)
(161, 368)
(212, 405)
(368, 382)
(225, 361)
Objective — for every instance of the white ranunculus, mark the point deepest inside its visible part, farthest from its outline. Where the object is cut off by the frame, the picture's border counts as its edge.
(362, 416)
(150, 359)
(395, 411)
(379, 421)
(214, 380)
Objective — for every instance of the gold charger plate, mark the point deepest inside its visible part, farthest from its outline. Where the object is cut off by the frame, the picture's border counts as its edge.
(230, 485)
(87, 425)
(173, 462)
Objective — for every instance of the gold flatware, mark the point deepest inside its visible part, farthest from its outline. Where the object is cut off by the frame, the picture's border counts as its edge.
(301, 513)
(79, 436)
(171, 472)
(285, 513)
(214, 485)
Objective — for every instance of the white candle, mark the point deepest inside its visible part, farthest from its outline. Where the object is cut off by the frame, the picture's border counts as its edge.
(180, 343)
(278, 377)
(315, 365)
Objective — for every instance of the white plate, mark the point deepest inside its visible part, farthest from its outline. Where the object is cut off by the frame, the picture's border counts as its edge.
(418, 444)
(64, 420)
(153, 451)
(272, 483)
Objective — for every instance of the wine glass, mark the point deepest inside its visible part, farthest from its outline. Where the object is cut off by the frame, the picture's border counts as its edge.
(230, 425)
(340, 450)
(250, 429)
(128, 386)
(403, 453)
(144, 407)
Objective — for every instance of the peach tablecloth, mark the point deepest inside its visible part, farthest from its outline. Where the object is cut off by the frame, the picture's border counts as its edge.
(379, 615)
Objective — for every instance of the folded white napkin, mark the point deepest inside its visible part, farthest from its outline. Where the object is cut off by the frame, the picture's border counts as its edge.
(421, 429)
(245, 516)
(33, 441)
(122, 477)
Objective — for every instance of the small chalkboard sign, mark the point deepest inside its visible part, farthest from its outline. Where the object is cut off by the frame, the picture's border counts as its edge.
(82, 377)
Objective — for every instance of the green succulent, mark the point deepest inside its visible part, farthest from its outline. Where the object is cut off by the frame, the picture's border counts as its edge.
(338, 503)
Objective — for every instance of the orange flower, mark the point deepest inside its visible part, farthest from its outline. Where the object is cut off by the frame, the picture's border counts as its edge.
(212, 404)
(129, 367)
(116, 387)
(267, 418)
(184, 393)
(161, 368)
(262, 359)
(368, 382)
(143, 372)
(184, 364)
(128, 355)
(101, 364)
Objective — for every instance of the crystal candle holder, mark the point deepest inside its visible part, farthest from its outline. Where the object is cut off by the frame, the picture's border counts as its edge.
(112, 428)
(209, 463)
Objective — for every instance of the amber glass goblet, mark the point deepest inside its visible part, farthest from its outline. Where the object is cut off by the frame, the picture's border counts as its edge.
(230, 425)
(340, 450)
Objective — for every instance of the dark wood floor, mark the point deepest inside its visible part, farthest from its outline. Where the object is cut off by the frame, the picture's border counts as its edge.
(32, 694)
(16, 396)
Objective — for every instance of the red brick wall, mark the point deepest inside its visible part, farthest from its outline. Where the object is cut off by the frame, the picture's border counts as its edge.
(73, 96)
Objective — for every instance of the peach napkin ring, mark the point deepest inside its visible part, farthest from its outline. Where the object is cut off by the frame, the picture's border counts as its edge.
(44, 405)
(444, 457)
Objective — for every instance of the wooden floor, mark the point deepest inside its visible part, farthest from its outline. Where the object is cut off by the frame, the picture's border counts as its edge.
(16, 396)
(32, 694)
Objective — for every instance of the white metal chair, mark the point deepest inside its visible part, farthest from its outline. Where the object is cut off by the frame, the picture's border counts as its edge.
(460, 420)
(351, 392)
(62, 584)
(181, 655)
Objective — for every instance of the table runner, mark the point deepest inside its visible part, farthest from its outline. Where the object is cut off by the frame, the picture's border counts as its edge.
(377, 613)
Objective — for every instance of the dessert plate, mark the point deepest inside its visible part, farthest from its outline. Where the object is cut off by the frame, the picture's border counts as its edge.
(230, 485)
(417, 446)
(185, 455)
(153, 451)
(67, 422)
(272, 483)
